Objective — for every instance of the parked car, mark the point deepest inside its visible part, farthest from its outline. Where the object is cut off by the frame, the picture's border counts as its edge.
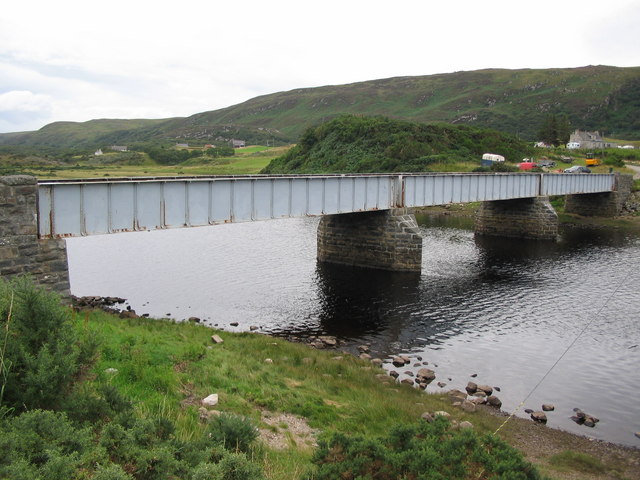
(577, 169)
(546, 163)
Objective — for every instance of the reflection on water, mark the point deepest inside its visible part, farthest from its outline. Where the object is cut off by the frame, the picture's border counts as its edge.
(503, 309)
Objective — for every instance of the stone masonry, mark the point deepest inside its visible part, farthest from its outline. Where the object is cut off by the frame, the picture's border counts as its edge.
(532, 218)
(384, 240)
(608, 204)
(21, 251)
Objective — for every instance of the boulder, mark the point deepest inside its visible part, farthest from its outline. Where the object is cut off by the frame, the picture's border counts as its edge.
(397, 361)
(394, 374)
(468, 406)
(486, 389)
(328, 341)
(363, 348)
(426, 375)
(211, 400)
(539, 417)
(365, 356)
(407, 381)
(547, 407)
(465, 424)
(494, 401)
(442, 413)
(427, 417)
(457, 394)
(471, 388)
(442, 384)
(376, 362)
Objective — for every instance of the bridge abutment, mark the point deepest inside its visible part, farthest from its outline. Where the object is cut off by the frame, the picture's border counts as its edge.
(530, 218)
(384, 240)
(21, 251)
(606, 204)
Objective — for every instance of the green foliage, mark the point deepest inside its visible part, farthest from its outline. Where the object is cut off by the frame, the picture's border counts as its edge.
(555, 130)
(43, 350)
(376, 144)
(421, 451)
(221, 151)
(234, 432)
(171, 156)
(43, 444)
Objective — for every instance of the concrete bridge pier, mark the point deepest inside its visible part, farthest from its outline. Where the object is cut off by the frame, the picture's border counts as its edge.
(21, 251)
(531, 218)
(384, 240)
(606, 204)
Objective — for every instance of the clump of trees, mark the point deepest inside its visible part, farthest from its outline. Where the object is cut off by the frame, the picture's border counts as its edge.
(353, 143)
(555, 129)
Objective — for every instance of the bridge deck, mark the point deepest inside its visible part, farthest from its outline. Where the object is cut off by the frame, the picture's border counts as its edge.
(89, 207)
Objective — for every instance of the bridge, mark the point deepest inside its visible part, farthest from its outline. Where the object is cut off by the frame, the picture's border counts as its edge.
(365, 219)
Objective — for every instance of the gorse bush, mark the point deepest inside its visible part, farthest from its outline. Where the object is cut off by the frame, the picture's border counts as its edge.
(421, 451)
(42, 351)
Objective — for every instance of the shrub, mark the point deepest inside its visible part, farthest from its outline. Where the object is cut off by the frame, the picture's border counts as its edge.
(43, 444)
(425, 450)
(42, 353)
(234, 432)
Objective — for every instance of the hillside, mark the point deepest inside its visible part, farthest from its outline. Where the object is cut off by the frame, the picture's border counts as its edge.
(516, 101)
(352, 143)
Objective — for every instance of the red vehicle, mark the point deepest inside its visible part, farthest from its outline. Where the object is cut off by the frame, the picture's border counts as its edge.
(527, 164)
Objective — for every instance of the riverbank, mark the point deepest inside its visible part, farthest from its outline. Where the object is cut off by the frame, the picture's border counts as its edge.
(296, 393)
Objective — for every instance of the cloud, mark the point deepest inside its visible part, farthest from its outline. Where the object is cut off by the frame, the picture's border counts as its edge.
(24, 101)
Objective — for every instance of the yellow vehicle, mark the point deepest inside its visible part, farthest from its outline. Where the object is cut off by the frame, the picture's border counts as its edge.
(592, 161)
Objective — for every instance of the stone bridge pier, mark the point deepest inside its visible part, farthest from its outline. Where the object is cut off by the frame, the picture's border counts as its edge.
(21, 251)
(384, 240)
(606, 204)
(531, 218)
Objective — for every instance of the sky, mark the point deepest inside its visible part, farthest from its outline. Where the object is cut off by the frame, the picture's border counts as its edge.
(77, 60)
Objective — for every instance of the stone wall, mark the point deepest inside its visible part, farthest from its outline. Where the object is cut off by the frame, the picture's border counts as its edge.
(21, 251)
(385, 240)
(532, 218)
(608, 204)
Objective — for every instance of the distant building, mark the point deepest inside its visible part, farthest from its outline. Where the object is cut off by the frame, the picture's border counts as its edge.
(588, 141)
(238, 143)
(118, 148)
(98, 152)
(182, 145)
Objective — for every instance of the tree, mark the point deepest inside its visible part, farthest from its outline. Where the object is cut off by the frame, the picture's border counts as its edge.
(555, 129)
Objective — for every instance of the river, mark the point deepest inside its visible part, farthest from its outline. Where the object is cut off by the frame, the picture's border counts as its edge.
(547, 322)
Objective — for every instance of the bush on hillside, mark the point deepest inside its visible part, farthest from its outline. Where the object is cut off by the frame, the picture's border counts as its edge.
(41, 350)
(424, 450)
(376, 144)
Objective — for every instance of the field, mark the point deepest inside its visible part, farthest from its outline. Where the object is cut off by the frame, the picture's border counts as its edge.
(249, 160)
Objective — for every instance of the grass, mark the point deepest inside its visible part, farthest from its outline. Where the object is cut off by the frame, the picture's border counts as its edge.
(166, 368)
(576, 461)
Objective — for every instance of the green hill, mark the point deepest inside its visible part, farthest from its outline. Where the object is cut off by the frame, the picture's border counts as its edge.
(516, 101)
(377, 144)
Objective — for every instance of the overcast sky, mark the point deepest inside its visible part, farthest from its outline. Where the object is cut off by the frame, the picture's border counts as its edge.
(80, 59)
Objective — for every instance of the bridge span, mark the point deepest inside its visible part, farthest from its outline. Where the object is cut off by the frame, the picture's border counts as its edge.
(89, 207)
(366, 219)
